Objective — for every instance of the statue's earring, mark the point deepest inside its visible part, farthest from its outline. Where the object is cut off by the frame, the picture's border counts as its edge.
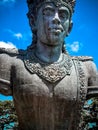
(32, 23)
(70, 28)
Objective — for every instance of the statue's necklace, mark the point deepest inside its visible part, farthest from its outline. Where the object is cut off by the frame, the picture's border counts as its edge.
(50, 72)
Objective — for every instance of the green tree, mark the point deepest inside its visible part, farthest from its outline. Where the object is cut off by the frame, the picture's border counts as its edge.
(90, 115)
(8, 118)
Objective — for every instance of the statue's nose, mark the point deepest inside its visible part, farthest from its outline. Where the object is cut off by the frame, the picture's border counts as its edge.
(56, 19)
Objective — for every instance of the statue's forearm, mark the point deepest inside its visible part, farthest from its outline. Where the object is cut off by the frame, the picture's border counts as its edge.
(92, 91)
(5, 87)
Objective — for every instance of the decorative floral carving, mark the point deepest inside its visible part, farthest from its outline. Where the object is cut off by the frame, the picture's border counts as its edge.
(50, 72)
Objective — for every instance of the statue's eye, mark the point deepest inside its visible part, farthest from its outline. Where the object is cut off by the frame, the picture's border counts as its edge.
(48, 11)
(63, 14)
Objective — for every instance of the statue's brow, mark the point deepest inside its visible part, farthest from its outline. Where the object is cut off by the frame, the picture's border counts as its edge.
(63, 9)
(48, 7)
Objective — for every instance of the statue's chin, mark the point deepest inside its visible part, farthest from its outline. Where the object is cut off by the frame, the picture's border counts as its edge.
(51, 39)
(54, 39)
(50, 43)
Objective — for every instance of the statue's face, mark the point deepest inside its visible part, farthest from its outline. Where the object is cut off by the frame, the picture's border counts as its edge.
(52, 23)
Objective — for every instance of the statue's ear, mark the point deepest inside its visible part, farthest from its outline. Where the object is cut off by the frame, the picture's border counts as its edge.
(32, 22)
(70, 27)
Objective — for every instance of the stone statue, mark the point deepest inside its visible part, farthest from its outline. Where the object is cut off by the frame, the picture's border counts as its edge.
(48, 85)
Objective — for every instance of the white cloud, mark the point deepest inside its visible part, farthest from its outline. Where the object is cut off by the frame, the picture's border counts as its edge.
(14, 34)
(7, 45)
(17, 35)
(75, 46)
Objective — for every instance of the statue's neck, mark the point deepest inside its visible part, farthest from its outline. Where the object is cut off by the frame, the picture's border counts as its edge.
(48, 54)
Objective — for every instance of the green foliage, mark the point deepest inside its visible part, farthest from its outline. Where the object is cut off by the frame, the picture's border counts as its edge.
(90, 115)
(8, 118)
(7, 115)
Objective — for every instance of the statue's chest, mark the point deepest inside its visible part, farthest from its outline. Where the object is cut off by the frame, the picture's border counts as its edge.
(47, 102)
(33, 77)
(61, 81)
(30, 85)
(46, 105)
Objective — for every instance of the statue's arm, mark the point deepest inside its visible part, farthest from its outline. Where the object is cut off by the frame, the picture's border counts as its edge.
(92, 73)
(7, 56)
(90, 69)
(92, 90)
(5, 83)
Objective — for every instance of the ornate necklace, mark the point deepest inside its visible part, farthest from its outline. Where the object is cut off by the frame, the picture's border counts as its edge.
(51, 72)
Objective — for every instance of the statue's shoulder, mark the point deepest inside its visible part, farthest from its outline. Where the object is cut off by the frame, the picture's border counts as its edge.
(12, 51)
(82, 58)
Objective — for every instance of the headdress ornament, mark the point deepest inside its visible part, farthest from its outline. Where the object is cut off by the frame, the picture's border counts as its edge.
(34, 4)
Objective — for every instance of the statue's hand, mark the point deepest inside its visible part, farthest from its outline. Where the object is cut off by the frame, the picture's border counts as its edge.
(5, 87)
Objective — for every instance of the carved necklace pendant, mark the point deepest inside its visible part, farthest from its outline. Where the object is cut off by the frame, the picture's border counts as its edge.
(51, 72)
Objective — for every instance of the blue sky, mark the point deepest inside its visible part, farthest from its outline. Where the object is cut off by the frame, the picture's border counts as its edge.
(83, 39)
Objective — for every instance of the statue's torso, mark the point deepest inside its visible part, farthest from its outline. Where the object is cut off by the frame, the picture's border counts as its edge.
(46, 96)
(43, 105)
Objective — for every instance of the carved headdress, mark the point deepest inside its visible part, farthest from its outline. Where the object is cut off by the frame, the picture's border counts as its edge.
(33, 5)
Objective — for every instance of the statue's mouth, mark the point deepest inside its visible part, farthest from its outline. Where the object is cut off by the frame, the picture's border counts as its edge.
(55, 30)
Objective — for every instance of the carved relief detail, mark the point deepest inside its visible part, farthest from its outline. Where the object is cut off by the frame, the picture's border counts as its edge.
(50, 72)
(82, 91)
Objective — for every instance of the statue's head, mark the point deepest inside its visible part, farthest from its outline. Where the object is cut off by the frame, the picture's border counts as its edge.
(50, 20)
(34, 5)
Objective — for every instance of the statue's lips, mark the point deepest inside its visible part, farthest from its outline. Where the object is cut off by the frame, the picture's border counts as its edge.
(55, 30)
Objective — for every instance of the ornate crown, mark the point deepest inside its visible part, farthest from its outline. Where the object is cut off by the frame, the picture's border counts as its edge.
(34, 4)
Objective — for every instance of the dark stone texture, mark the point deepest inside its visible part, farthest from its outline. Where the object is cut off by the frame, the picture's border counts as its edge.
(49, 87)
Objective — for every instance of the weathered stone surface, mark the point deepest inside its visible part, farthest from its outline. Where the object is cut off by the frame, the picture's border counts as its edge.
(93, 90)
(48, 86)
